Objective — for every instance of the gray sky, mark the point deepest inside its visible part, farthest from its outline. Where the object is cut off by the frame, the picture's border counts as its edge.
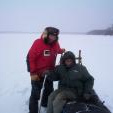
(67, 15)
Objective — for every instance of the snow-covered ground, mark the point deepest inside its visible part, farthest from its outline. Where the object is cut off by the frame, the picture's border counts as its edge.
(97, 54)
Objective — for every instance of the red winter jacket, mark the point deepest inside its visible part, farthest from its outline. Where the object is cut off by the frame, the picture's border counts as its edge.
(42, 56)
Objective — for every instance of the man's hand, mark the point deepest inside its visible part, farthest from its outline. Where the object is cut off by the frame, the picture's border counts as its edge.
(63, 50)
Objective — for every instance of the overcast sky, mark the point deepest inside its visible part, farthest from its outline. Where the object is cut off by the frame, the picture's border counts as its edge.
(67, 15)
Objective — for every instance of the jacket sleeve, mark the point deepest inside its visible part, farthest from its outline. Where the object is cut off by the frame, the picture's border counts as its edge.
(32, 57)
(54, 74)
(88, 80)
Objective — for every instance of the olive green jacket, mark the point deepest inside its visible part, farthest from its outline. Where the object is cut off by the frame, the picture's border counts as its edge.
(76, 78)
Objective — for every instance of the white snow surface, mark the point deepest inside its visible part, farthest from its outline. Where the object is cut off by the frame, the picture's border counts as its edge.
(15, 87)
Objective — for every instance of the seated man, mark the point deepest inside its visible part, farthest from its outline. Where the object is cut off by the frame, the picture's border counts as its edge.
(75, 83)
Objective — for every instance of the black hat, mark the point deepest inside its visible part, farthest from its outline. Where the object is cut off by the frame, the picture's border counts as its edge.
(52, 31)
(67, 55)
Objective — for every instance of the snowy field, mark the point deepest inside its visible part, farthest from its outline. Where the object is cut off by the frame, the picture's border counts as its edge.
(97, 54)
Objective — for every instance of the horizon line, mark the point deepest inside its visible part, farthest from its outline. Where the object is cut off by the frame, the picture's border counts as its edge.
(27, 32)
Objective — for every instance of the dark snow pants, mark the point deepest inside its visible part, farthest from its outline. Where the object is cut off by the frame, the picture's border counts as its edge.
(35, 94)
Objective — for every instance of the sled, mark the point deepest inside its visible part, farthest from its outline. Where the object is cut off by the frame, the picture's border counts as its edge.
(82, 107)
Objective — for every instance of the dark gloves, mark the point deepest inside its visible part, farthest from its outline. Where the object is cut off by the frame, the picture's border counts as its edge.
(86, 96)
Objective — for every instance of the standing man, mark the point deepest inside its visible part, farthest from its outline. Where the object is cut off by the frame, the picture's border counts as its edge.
(42, 57)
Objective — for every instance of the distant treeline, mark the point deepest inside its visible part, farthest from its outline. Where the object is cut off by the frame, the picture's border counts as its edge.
(108, 31)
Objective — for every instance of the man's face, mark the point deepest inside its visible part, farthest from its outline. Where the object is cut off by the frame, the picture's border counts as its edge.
(68, 62)
(52, 38)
